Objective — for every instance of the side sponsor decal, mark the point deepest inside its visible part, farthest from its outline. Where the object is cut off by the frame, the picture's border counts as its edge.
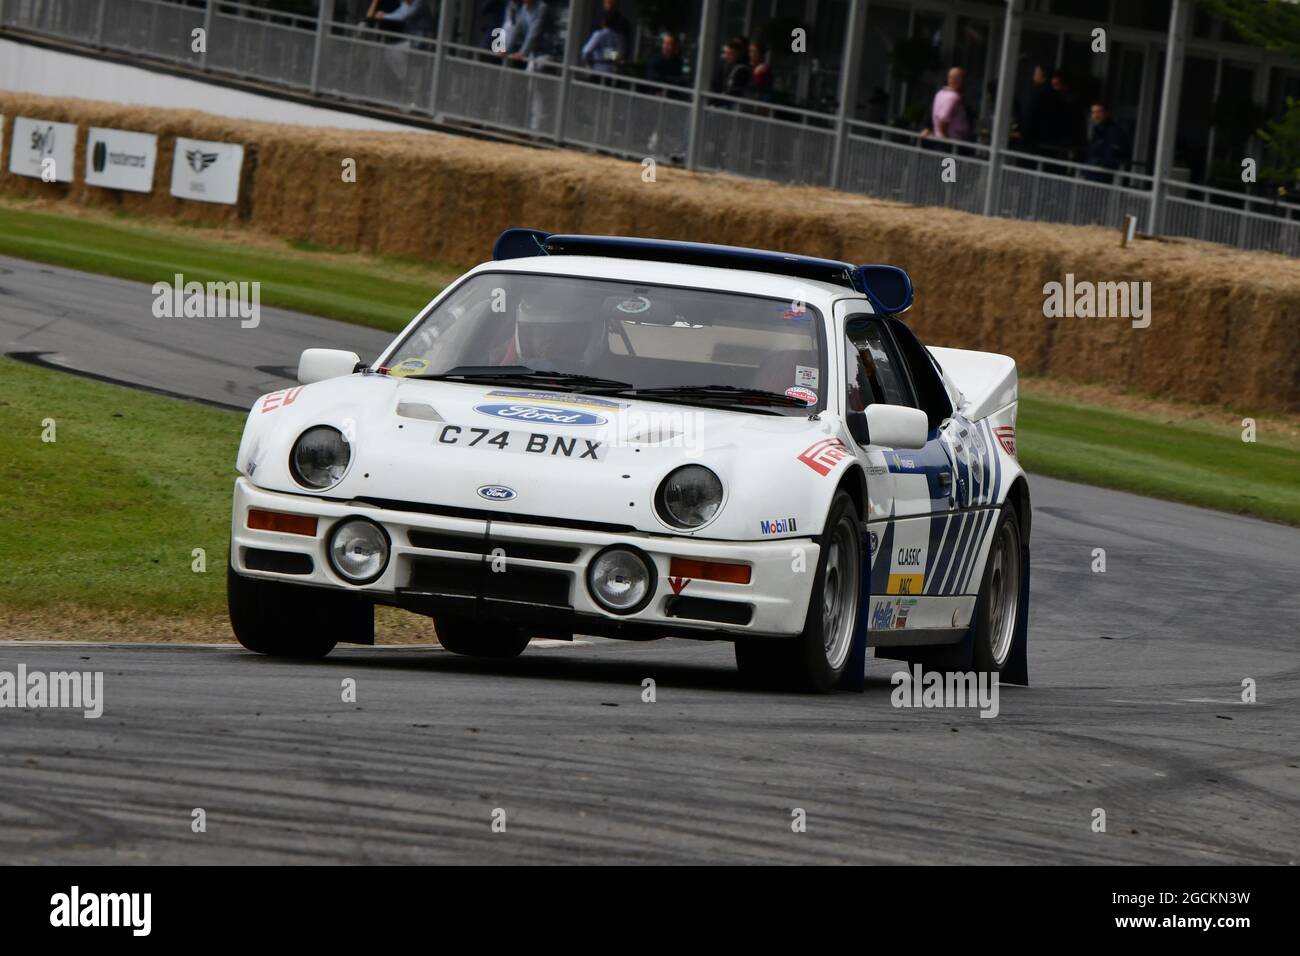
(280, 399)
(907, 556)
(891, 614)
(527, 443)
(1006, 436)
(541, 414)
(823, 456)
(778, 526)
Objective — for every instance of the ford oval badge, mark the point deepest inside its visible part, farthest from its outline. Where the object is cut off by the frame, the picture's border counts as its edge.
(541, 414)
(496, 493)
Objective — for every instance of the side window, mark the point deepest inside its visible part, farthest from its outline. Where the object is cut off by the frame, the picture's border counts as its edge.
(872, 372)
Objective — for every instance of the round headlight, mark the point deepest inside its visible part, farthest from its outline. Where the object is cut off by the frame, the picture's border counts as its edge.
(621, 580)
(359, 550)
(320, 457)
(689, 497)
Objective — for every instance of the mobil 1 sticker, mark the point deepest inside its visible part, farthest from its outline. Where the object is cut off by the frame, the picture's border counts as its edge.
(525, 443)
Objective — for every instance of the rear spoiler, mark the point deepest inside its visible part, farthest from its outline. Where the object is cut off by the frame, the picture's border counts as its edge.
(887, 288)
(987, 381)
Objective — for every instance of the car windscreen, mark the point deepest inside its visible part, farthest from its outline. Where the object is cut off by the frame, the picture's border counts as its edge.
(648, 336)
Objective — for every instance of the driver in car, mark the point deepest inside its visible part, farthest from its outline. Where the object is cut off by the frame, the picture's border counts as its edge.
(555, 333)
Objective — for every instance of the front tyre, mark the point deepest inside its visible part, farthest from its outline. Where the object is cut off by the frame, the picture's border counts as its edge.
(293, 620)
(816, 660)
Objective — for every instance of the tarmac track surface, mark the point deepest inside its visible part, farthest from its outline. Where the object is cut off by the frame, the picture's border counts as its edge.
(1134, 707)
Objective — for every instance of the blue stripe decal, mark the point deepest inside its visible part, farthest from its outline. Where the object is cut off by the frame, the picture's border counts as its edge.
(972, 559)
(938, 530)
(944, 561)
(959, 555)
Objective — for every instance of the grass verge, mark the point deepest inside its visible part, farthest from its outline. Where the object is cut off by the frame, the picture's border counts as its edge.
(1201, 463)
(98, 527)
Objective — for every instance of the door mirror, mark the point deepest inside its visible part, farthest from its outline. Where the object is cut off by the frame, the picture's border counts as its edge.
(316, 365)
(894, 426)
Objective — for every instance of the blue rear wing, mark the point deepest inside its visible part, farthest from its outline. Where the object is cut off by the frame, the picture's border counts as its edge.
(887, 288)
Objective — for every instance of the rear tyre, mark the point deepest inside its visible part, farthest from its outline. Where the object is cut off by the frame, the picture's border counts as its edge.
(816, 660)
(472, 639)
(999, 602)
(293, 620)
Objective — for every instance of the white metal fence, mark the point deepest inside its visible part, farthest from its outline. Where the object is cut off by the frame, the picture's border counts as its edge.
(547, 101)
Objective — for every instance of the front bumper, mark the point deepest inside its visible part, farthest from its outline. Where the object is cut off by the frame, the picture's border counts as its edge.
(531, 574)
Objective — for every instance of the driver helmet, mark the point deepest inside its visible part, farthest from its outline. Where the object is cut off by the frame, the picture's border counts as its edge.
(556, 328)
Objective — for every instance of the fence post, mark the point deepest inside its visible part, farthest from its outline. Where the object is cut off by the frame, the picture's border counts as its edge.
(207, 34)
(99, 24)
(703, 74)
(1002, 108)
(850, 64)
(322, 19)
(570, 49)
(1178, 16)
(444, 31)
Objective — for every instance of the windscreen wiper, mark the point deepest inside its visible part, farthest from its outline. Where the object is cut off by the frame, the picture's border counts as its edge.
(523, 375)
(730, 394)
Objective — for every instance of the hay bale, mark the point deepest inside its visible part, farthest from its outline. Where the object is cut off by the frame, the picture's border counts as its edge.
(1225, 324)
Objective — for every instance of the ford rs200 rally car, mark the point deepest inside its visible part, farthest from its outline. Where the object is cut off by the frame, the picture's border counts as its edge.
(638, 439)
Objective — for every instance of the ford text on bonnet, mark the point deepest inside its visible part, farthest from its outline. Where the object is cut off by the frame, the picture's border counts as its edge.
(639, 439)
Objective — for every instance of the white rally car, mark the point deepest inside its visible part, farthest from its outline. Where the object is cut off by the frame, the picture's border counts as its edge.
(638, 438)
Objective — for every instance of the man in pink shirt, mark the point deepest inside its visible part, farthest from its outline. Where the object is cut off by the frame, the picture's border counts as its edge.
(949, 112)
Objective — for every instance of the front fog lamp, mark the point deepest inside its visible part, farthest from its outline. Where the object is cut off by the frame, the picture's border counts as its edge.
(621, 580)
(689, 496)
(359, 550)
(320, 457)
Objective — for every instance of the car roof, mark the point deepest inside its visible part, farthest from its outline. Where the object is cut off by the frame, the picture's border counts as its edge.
(742, 281)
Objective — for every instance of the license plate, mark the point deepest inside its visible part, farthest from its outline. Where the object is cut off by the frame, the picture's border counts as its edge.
(523, 443)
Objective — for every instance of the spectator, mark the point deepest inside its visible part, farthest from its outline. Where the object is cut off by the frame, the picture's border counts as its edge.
(1042, 118)
(667, 66)
(617, 22)
(1071, 124)
(732, 75)
(493, 14)
(760, 74)
(1108, 146)
(604, 49)
(948, 113)
(529, 36)
(530, 40)
(377, 12)
(413, 17)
